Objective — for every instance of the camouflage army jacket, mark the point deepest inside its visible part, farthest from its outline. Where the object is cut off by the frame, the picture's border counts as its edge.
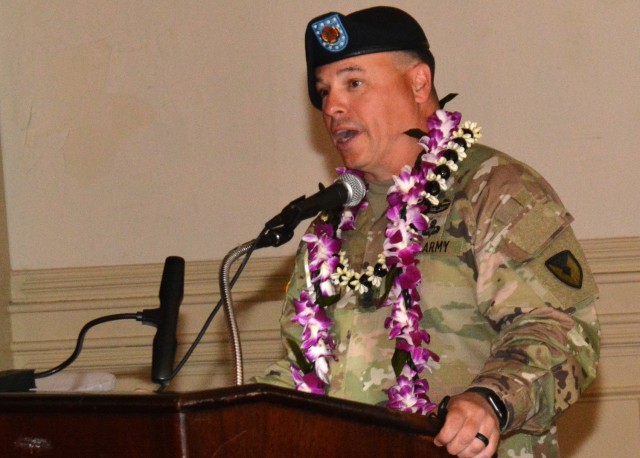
(506, 293)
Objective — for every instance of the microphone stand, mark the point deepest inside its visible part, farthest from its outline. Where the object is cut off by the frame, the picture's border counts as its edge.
(277, 231)
(269, 237)
(227, 303)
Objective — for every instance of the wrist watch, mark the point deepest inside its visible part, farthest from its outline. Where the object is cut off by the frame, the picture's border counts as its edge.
(494, 401)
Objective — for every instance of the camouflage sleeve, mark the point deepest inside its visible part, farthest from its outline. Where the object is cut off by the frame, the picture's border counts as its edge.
(279, 373)
(536, 291)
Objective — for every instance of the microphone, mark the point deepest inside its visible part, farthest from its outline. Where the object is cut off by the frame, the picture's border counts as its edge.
(348, 190)
(165, 319)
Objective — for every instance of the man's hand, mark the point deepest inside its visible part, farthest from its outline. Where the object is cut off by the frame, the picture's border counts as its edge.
(470, 421)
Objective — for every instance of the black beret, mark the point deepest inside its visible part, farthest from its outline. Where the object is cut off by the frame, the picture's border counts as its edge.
(334, 36)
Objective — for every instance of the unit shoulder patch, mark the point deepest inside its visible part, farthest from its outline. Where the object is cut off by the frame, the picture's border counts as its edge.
(566, 268)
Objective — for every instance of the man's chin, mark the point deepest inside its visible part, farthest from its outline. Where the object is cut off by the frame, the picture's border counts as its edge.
(350, 162)
(351, 157)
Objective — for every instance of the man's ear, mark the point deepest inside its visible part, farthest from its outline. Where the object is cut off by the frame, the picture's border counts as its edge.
(421, 82)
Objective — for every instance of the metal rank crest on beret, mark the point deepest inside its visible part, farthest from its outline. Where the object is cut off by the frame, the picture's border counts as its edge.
(330, 33)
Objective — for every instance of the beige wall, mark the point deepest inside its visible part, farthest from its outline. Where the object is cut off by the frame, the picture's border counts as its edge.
(136, 130)
(5, 277)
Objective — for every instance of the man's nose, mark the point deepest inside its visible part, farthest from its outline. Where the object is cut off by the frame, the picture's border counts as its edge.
(334, 103)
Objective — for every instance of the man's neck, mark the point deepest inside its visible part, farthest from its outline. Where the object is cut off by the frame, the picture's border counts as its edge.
(377, 197)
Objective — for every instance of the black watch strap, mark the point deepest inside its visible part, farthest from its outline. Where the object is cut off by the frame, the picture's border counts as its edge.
(494, 401)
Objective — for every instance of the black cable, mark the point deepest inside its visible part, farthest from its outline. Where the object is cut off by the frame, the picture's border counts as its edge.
(139, 317)
(213, 313)
(81, 336)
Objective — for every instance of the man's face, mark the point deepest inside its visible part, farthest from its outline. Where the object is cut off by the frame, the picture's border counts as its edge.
(367, 105)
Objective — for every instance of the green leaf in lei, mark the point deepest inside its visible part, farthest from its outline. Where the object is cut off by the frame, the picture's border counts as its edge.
(303, 364)
(399, 359)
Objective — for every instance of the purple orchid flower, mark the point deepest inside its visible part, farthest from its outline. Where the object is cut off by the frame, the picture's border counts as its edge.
(402, 321)
(405, 189)
(419, 355)
(439, 125)
(308, 383)
(305, 308)
(317, 327)
(406, 396)
(410, 278)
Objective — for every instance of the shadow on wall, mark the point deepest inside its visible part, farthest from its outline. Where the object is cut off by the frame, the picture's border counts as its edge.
(6, 361)
(575, 427)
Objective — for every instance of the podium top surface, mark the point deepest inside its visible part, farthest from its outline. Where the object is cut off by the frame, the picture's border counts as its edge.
(215, 399)
(246, 421)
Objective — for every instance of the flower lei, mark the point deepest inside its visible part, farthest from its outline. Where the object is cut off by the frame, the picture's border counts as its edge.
(414, 192)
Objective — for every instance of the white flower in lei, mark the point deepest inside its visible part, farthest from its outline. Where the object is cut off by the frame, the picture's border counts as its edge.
(415, 190)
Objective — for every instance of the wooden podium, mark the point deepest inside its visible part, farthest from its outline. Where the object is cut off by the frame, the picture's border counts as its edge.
(248, 421)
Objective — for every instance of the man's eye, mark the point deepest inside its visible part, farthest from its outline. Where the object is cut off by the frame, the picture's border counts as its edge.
(322, 93)
(355, 83)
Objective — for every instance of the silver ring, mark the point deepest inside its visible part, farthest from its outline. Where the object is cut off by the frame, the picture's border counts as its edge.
(484, 439)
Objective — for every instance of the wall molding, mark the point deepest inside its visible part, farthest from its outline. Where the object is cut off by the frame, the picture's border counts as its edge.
(49, 307)
(58, 302)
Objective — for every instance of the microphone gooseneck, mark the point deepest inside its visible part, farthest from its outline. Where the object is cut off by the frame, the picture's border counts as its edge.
(348, 190)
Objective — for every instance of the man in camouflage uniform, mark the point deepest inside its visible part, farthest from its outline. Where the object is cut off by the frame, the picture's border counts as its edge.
(506, 292)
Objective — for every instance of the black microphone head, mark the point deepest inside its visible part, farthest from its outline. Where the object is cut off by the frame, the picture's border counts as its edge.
(356, 187)
(348, 190)
(172, 283)
(165, 342)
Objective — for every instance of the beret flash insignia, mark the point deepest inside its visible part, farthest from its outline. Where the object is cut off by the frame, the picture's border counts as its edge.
(566, 268)
(330, 33)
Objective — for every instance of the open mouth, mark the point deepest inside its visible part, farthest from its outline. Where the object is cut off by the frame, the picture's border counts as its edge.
(343, 136)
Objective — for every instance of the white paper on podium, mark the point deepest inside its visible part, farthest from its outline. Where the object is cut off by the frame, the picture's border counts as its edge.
(76, 381)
